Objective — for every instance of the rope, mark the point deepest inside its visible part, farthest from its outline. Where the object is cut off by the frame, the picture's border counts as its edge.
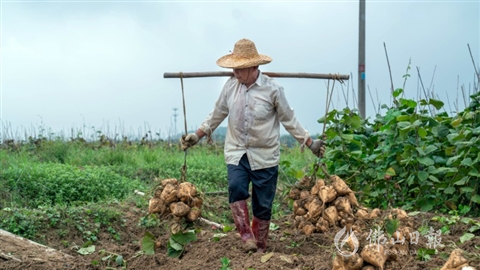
(320, 164)
(183, 177)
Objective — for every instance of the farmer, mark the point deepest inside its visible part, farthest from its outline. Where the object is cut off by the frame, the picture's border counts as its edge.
(256, 105)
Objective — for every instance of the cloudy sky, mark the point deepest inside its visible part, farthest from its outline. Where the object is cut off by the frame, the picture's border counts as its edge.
(98, 65)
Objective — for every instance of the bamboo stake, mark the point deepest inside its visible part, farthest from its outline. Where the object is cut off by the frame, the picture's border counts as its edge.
(11, 240)
(218, 225)
(9, 257)
(329, 76)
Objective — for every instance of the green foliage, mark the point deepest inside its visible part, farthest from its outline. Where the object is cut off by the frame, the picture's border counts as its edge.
(408, 157)
(391, 226)
(24, 223)
(225, 263)
(88, 220)
(176, 243)
(423, 254)
(148, 243)
(49, 184)
(113, 259)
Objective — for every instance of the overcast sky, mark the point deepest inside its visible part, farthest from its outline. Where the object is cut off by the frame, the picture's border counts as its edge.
(69, 65)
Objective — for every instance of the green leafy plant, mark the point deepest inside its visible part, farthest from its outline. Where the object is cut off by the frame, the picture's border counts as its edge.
(424, 254)
(148, 243)
(413, 156)
(177, 242)
(225, 263)
(113, 258)
(391, 226)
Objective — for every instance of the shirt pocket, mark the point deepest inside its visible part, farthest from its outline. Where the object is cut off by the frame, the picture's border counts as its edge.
(262, 111)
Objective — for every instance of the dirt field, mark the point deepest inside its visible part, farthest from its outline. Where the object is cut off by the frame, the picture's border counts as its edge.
(289, 249)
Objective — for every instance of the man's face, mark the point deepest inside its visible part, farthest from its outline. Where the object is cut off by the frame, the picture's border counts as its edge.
(244, 75)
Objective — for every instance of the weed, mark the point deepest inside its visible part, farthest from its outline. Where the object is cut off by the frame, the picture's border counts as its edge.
(225, 263)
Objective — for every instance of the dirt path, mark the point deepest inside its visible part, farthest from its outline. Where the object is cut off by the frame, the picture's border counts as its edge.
(288, 250)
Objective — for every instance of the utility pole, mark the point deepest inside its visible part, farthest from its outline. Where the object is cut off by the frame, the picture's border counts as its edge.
(175, 114)
(361, 59)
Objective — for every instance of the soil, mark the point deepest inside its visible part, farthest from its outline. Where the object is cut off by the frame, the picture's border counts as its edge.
(288, 249)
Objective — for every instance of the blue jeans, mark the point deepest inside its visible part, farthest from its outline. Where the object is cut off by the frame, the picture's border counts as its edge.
(264, 185)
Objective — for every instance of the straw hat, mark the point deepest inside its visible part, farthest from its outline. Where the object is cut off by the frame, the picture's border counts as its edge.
(244, 55)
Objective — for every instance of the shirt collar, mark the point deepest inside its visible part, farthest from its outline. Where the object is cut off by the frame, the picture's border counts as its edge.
(259, 80)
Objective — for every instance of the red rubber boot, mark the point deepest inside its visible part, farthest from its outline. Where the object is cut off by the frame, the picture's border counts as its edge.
(260, 229)
(242, 222)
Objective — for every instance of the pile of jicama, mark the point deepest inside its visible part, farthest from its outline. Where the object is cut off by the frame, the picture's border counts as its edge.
(180, 200)
(329, 205)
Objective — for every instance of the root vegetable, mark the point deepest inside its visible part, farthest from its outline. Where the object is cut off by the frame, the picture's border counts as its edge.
(343, 205)
(155, 205)
(327, 194)
(354, 262)
(194, 214)
(322, 225)
(296, 205)
(197, 202)
(399, 250)
(456, 261)
(362, 214)
(374, 214)
(375, 255)
(306, 182)
(316, 188)
(398, 237)
(294, 193)
(304, 194)
(315, 208)
(300, 211)
(352, 241)
(169, 194)
(407, 232)
(179, 209)
(338, 263)
(308, 228)
(171, 181)
(186, 191)
(299, 222)
(400, 213)
(175, 228)
(331, 215)
(339, 185)
(353, 199)
(158, 193)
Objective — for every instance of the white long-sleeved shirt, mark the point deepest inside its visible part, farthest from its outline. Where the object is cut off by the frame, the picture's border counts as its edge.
(254, 117)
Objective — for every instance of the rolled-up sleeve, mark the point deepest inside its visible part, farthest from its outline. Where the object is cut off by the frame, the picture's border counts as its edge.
(287, 118)
(218, 114)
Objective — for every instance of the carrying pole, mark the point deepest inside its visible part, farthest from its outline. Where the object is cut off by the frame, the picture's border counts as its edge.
(329, 76)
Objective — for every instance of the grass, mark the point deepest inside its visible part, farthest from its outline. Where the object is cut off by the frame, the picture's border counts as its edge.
(80, 186)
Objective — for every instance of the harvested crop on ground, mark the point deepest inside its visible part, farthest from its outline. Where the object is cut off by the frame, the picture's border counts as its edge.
(176, 200)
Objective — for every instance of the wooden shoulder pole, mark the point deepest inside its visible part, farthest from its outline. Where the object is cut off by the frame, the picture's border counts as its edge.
(329, 76)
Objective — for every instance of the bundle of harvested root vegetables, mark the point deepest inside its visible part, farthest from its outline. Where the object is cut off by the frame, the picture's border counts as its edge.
(321, 206)
(181, 200)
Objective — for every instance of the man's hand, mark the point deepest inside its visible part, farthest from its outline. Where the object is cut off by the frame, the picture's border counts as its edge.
(318, 148)
(189, 140)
